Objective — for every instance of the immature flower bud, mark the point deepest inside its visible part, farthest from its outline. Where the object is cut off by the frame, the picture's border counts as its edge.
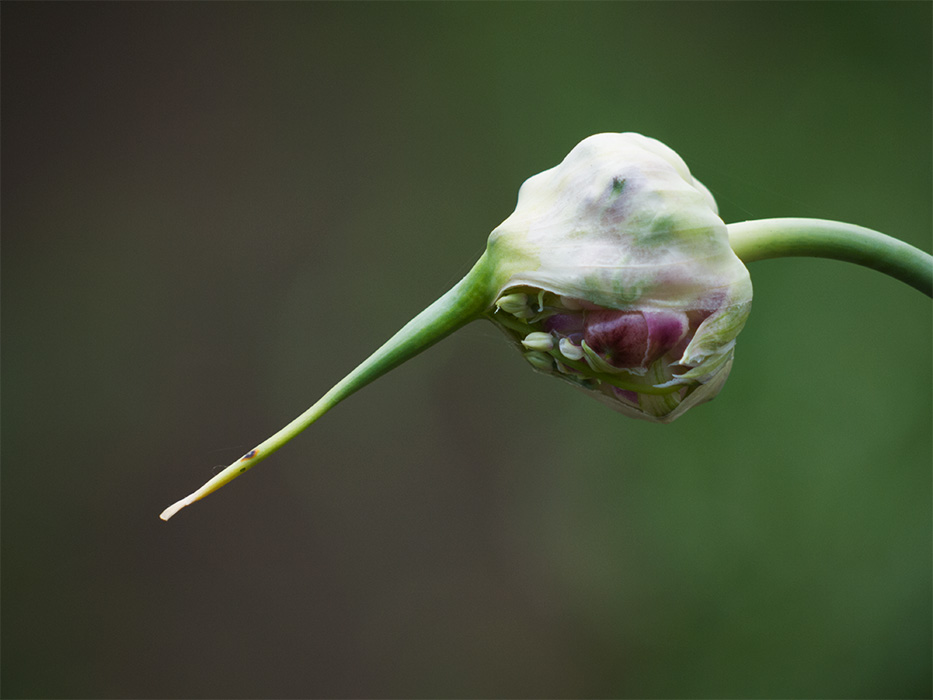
(515, 304)
(619, 258)
(539, 341)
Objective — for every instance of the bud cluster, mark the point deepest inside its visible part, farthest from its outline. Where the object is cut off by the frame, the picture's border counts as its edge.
(629, 359)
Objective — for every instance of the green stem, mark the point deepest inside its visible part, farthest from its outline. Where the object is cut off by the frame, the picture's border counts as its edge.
(777, 238)
(464, 303)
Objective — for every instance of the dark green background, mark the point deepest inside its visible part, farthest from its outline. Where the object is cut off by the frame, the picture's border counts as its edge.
(211, 212)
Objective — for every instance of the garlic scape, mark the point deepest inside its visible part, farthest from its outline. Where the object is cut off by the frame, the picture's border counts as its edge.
(615, 274)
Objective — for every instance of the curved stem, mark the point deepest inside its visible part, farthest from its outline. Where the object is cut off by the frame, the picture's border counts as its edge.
(464, 303)
(777, 238)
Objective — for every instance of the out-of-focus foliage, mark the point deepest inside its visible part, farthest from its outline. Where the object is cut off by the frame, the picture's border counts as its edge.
(212, 211)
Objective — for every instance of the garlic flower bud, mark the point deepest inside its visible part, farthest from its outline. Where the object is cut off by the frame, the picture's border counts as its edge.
(617, 276)
(613, 273)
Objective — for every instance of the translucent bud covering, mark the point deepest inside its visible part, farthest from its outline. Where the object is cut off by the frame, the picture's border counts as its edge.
(619, 257)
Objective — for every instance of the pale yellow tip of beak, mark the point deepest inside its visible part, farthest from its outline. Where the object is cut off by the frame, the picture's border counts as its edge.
(175, 507)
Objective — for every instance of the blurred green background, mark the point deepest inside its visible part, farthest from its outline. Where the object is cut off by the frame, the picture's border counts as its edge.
(211, 212)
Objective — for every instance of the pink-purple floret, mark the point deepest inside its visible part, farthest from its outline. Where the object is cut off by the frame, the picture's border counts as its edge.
(628, 339)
